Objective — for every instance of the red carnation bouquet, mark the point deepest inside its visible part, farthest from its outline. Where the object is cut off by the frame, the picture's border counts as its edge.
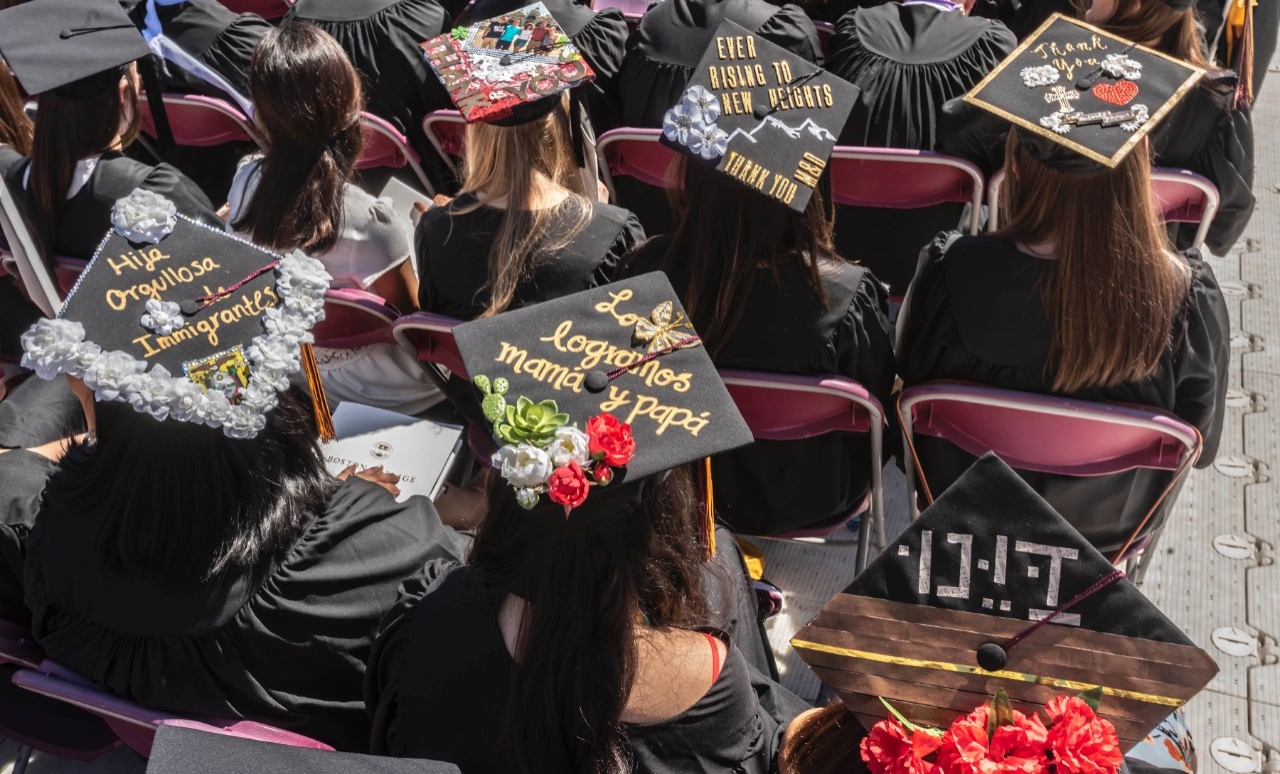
(1068, 737)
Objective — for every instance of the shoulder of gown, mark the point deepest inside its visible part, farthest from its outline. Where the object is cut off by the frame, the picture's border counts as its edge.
(926, 299)
(185, 194)
(1203, 357)
(861, 345)
(23, 474)
(629, 234)
(791, 28)
(603, 41)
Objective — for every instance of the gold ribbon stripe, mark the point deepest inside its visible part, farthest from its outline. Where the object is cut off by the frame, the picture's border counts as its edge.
(1022, 677)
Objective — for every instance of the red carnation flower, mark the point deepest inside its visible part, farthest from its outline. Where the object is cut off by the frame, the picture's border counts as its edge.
(1079, 740)
(610, 440)
(568, 486)
(1012, 749)
(890, 749)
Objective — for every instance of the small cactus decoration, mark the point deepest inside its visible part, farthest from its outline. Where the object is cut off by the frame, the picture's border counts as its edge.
(494, 405)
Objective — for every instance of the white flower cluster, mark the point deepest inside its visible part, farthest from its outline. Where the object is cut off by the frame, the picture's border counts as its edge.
(144, 216)
(1121, 66)
(163, 317)
(53, 347)
(1039, 76)
(1140, 116)
(527, 467)
(1055, 122)
(692, 123)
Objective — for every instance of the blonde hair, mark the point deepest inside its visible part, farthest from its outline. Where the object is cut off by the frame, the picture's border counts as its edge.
(1168, 30)
(508, 161)
(1115, 288)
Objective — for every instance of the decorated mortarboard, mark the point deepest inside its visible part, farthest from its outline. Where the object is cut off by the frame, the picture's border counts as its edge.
(505, 70)
(991, 589)
(184, 322)
(179, 750)
(597, 389)
(1082, 98)
(75, 46)
(761, 115)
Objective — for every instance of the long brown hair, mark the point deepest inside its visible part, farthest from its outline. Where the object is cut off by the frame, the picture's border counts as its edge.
(584, 579)
(1115, 288)
(513, 162)
(15, 127)
(73, 123)
(1155, 23)
(823, 741)
(727, 235)
(307, 99)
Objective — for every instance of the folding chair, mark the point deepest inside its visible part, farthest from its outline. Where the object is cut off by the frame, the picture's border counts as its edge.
(200, 121)
(354, 318)
(1180, 195)
(825, 31)
(385, 146)
(632, 152)
(900, 179)
(134, 724)
(25, 256)
(67, 271)
(267, 9)
(446, 130)
(784, 407)
(1049, 434)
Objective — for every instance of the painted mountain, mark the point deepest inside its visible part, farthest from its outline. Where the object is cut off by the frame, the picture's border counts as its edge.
(793, 132)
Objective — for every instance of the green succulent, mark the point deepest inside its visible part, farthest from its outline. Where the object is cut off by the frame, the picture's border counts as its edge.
(535, 423)
(459, 33)
(493, 404)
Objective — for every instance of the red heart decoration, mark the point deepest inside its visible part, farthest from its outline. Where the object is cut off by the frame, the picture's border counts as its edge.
(1118, 93)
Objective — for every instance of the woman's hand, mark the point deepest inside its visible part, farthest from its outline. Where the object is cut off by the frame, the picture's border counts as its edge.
(224, 211)
(375, 475)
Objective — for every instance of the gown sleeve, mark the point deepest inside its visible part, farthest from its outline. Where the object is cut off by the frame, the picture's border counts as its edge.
(972, 133)
(1227, 160)
(22, 480)
(1200, 368)
(230, 52)
(184, 193)
(632, 234)
(862, 347)
(604, 41)
(920, 338)
(793, 30)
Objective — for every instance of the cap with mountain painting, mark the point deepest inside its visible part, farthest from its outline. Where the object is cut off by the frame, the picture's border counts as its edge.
(761, 115)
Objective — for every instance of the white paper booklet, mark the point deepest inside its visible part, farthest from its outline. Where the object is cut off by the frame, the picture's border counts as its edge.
(420, 451)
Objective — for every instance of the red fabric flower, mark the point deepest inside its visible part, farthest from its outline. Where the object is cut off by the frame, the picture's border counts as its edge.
(610, 440)
(1079, 740)
(891, 749)
(1013, 749)
(603, 474)
(568, 485)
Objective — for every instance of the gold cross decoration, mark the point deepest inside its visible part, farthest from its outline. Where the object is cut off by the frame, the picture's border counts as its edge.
(1063, 96)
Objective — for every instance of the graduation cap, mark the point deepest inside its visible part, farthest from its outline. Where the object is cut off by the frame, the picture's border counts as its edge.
(613, 379)
(1083, 98)
(179, 750)
(955, 609)
(507, 69)
(77, 47)
(184, 322)
(761, 115)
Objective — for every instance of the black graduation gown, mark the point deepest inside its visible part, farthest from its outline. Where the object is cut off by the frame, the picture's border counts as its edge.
(974, 314)
(774, 486)
(453, 257)
(281, 643)
(736, 726)
(907, 61)
(381, 37)
(1203, 133)
(87, 215)
(599, 35)
(218, 38)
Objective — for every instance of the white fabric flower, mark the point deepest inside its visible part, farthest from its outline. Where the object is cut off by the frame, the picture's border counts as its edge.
(301, 277)
(186, 400)
(1121, 66)
(214, 409)
(144, 216)
(701, 103)
(259, 395)
(1140, 116)
(111, 373)
(1055, 123)
(288, 327)
(524, 465)
(243, 422)
(710, 142)
(163, 317)
(679, 123)
(570, 443)
(274, 355)
(1039, 76)
(527, 498)
(151, 392)
(53, 347)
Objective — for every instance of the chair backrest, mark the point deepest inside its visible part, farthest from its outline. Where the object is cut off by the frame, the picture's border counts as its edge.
(68, 270)
(386, 146)
(354, 318)
(200, 121)
(430, 336)
(896, 178)
(26, 254)
(267, 9)
(1181, 196)
(825, 31)
(446, 130)
(632, 152)
(136, 725)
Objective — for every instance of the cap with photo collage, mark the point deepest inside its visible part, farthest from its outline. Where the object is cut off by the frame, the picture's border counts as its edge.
(77, 47)
(184, 322)
(761, 115)
(505, 70)
(595, 390)
(1082, 98)
(991, 589)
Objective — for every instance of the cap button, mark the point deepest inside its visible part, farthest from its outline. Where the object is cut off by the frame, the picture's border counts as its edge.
(760, 111)
(596, 381)
(189, 306)
(992, 657)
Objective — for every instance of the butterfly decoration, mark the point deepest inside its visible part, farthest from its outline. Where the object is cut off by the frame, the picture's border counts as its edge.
(662, 332)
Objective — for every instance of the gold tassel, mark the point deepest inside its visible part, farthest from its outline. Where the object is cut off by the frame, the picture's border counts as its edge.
(319, 403)
(1240, 47)
(709, 516)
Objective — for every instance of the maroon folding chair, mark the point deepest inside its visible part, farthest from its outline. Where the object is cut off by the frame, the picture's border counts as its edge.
(446, 130)
(200, 121)
(68, 270)
(385, 146)
(267, 9)
(783, 407)
(354, 318)
(900, 179)
(1050, 434)
(637, 153)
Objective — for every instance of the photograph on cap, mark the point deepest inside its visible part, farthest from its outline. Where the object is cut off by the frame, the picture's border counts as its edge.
(493, 66)
(761, 115)
(991, 590)
(1085, 89)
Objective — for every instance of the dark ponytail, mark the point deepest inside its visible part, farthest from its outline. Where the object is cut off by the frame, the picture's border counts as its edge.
(307, 100)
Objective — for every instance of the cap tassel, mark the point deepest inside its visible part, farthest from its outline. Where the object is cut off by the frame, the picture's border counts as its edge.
(319, 403)
(1240, 48)
(709, 513)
